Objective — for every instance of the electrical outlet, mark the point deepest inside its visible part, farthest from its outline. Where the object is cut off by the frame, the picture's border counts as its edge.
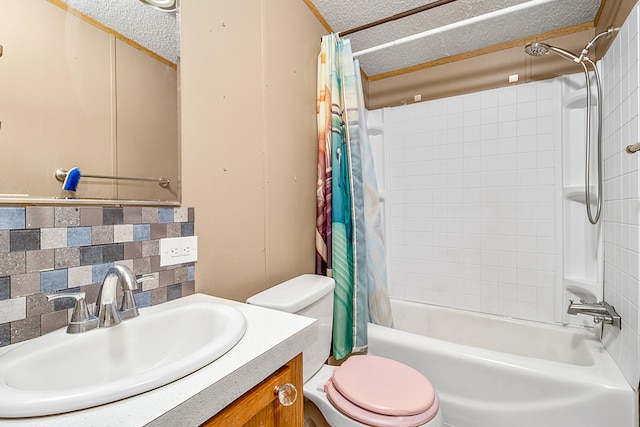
(178, 250)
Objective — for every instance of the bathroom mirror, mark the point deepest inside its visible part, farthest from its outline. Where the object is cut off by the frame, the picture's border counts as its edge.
(76, 94)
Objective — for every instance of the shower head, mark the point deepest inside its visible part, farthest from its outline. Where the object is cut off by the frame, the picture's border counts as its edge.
(536, 49)
(540, 49)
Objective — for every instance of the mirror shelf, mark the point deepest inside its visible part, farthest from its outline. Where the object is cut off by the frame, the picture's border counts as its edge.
(23, 201)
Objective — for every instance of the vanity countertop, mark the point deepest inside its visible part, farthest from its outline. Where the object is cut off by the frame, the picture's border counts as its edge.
(272, 338)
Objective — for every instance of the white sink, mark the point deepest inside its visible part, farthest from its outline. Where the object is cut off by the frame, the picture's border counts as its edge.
(61, 372)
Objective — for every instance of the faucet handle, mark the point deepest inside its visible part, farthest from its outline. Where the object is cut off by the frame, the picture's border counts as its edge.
(81, 320)
(145, 278)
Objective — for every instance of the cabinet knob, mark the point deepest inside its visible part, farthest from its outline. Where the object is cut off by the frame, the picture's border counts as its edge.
(287, 394)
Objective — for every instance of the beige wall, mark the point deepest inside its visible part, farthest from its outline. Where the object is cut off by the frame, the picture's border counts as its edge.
(66, 101)
(247, 82)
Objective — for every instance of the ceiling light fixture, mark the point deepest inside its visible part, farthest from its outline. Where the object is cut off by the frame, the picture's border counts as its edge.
(163, 5)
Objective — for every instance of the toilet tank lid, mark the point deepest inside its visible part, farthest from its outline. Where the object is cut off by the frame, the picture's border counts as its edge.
(294, 294)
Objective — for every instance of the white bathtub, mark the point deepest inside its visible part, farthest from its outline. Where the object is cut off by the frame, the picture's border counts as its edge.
(491, 371)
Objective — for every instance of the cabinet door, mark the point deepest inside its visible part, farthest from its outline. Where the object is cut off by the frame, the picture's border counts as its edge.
(260, 407)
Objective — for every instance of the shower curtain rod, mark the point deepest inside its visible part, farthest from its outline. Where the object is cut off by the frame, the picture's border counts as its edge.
(475, 19)
(397, 16)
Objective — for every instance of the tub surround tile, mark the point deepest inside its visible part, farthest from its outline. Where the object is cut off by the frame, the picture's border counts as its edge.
(620, 204)
(456, 213)
(61, 249)
(39, 217)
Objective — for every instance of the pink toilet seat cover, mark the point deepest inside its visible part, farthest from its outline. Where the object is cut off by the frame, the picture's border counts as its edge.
(384, 386)
(375, 419)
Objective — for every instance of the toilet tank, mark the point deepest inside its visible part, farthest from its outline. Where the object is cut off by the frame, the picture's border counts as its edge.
(308, 295)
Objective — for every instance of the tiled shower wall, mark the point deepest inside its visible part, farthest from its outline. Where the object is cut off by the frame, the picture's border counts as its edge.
(621, 195)
(472, 200)
(46, 249)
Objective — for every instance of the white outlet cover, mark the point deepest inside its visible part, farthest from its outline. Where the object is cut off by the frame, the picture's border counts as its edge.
(178, 250)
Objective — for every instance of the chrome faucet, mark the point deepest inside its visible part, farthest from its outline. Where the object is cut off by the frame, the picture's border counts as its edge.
(81, 320)
(602, 312)
(107, 310)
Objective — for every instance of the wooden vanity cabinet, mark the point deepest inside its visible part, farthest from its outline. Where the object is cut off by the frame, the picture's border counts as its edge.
(260, 405)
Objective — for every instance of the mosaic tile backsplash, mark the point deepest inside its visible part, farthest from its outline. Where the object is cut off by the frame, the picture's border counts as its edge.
(47, 249)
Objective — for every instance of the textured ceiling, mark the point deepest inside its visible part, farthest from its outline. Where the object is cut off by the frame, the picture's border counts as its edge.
(532, 17)
(147, 26)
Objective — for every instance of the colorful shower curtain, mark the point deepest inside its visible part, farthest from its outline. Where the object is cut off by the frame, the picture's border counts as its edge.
(349, 239)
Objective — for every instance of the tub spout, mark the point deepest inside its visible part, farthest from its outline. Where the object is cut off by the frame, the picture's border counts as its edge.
(601, 312)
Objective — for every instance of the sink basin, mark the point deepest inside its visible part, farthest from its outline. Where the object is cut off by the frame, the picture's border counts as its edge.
(61, 372)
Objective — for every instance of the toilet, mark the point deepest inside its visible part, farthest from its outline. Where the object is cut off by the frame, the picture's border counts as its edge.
(365, 390)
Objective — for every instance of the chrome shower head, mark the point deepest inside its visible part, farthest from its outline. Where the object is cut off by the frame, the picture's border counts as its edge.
(541, 49)
(536, 49)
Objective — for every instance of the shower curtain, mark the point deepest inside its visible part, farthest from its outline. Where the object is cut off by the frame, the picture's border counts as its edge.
(349, 239)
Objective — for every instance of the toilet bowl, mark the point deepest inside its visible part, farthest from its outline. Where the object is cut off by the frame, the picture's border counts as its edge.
(363, 391)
